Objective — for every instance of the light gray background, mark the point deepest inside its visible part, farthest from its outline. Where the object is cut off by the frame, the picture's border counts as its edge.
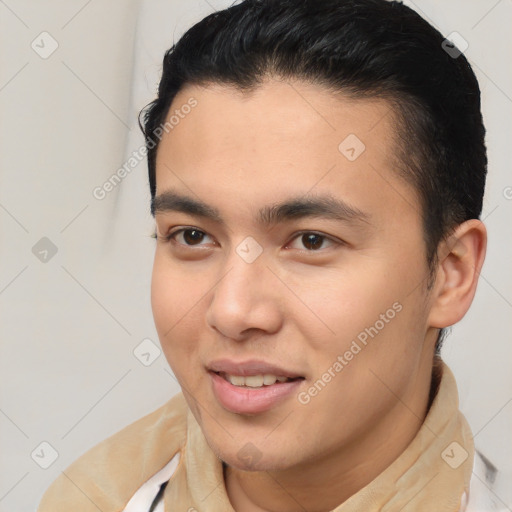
(69, 325)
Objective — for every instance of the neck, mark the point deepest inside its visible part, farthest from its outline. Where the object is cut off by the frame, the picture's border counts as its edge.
(330, 479)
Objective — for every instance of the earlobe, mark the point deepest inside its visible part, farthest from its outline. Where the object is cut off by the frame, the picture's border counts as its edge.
(461, 257)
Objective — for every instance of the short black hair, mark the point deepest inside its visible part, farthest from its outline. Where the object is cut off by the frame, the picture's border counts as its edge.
(365, 49)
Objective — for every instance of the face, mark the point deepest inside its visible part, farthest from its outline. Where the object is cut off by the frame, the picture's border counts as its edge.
(289, 276)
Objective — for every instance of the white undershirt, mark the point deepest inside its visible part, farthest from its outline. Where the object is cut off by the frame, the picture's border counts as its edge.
(141, 501)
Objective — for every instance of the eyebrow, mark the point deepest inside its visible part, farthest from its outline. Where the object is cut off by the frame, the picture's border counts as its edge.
(317, 206)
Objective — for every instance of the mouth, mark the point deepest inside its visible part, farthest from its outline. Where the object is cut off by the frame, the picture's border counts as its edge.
(255, 381)
(251, 368)
(252, 387)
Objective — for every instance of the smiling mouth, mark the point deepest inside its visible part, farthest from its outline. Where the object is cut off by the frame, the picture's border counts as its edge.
(256, 381)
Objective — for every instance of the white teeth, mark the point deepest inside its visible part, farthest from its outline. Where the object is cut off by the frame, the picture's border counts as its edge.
(268, 380)
(254, 381)
(236, 380)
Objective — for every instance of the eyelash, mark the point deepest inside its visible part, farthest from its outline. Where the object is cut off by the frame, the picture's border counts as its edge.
(170, 236)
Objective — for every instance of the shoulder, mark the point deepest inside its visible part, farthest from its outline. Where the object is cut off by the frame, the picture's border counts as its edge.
(107, 475)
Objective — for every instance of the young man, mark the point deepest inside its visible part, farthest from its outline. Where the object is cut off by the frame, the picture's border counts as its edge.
(317, 172)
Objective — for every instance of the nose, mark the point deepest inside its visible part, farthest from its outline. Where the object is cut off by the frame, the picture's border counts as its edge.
(245, 303)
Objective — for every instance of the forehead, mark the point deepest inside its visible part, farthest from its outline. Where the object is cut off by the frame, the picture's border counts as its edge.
(282, 137)
(293, 110)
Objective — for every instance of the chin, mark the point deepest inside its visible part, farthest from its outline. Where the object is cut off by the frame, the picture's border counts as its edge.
(250, 458)
(253, 464)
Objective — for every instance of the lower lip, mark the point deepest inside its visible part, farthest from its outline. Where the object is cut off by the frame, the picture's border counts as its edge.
(245, 400)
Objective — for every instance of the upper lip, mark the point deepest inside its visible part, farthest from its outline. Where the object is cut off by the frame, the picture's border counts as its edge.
(250, 367)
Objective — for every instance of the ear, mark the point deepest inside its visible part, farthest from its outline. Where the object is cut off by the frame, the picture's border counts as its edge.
(461, 257)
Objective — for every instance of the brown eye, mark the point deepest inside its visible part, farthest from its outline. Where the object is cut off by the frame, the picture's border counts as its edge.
(192, 236)
(312, 241)
(188, 237)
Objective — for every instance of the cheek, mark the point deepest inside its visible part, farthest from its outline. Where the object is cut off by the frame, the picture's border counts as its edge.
(344, 301)
(358, 372)
(162, 299)
(175, 300)
(377, 305)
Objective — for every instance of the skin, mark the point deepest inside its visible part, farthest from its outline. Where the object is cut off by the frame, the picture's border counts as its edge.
(295, 306)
